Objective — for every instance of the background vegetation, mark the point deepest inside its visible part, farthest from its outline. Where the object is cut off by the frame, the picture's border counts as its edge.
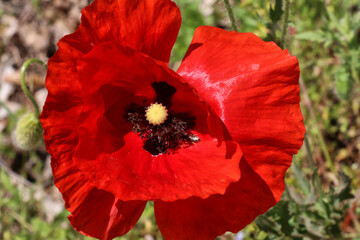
(322, 196)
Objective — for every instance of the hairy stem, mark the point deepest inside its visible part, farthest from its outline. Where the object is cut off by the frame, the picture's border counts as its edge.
(285, 24)
(23, 83)
(231, 15)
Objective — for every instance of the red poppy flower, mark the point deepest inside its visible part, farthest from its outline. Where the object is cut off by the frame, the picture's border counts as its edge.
(210, 144)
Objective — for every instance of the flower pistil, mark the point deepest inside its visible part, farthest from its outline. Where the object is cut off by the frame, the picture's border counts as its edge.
(156, 114)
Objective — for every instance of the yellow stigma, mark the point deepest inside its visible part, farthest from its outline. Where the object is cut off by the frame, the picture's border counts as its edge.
(156, 114)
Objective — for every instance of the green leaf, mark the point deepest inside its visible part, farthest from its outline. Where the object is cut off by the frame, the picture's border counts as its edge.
(283, 210)
(343, 192)
(301, 181)
(265, 224)
(317, 36)
(313, 228)
(311, 197)
(355, 55)
(343, 83)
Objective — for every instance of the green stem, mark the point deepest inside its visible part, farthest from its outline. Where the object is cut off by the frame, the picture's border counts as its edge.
(231, 15)
(329, 162)
(317, 180)
(309, 154)
(285, 24)
(23, 83)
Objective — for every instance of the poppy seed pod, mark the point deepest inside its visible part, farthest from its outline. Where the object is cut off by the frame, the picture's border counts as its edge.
(28, 132)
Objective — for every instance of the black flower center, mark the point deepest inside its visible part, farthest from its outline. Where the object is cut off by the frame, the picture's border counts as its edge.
(167, 137)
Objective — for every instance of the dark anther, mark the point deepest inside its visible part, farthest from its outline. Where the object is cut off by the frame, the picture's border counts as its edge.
(163, 138)
(168, 136)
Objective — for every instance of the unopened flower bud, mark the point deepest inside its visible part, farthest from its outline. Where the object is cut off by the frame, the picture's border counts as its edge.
(28, 131)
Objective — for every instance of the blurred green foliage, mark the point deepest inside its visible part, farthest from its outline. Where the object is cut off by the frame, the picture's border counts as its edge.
(308, 212)
(191, 19)
(22, 217)
(339, 33)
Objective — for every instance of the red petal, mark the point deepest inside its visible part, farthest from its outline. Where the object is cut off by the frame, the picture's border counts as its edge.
(62, 76)
(61, 118)
(118, 163)
(103, 216)
(62, 110)
(112, 78)
(148, 26)
(61, 114)
(204, 219)
(132, 173)
(94, 212)
(253, 86)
